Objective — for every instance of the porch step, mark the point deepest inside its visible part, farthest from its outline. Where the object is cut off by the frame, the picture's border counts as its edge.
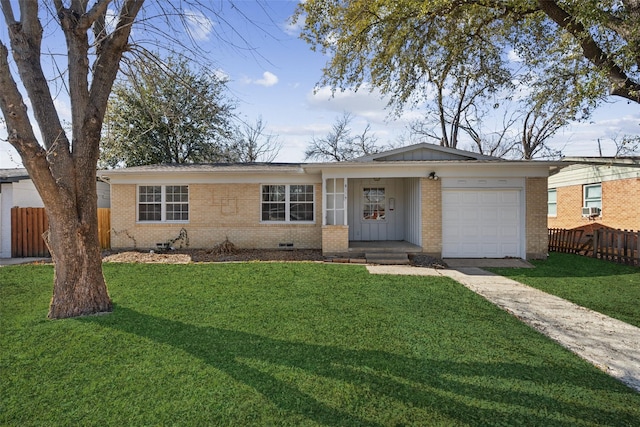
(387, 258)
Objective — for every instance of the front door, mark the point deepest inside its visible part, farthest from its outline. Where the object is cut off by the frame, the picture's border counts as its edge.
(375, 212)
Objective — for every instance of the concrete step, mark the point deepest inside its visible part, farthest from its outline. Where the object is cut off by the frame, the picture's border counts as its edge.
(387, 258)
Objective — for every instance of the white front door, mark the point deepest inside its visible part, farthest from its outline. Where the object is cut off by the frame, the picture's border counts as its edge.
(376, 209)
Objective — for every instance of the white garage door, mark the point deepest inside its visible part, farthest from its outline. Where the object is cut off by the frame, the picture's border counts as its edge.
(481, 224)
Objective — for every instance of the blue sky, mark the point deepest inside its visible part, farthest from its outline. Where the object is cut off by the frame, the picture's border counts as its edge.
(274, 74)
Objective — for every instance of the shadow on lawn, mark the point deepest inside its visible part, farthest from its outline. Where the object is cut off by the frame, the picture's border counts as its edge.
(434, 385)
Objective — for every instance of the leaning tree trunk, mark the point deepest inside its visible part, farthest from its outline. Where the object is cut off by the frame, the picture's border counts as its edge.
(79, 285)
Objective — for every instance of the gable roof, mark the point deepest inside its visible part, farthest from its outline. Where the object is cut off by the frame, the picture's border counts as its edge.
(424, 151)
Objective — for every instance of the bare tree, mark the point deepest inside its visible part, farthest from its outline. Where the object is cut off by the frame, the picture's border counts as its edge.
(251, 143)
(341, 145)
(63, 170)
(63, 165)
(627, 145)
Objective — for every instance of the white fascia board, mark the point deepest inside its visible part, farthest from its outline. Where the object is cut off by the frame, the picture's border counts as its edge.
(442, 169)
(160, 178)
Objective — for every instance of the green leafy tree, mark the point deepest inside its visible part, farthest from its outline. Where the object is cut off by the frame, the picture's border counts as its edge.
(395, 44)
(165, 112)
(458, 57)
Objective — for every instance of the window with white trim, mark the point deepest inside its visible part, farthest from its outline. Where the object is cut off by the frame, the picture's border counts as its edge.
(163, 203)
(552, 202)
(287, 203)
(374, 204)
(593, 196)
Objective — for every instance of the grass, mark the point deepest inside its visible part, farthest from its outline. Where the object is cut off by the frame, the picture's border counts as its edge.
(603, 286)
(287, 344)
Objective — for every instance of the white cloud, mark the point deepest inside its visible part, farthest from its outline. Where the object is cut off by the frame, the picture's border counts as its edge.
(366, 103)
(221, 75)
(268, 79)
(513, 56)
(293, 28)
(63, 108)
(198, 25)
(609, 122)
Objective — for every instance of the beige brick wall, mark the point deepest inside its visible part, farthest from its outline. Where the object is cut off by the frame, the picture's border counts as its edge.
(620, 206)
(536, 218)
(335, 239)
(216, 211)
(431, 193)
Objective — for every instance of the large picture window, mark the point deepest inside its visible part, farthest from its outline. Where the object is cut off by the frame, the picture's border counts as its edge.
(163, 203)
(287, 203)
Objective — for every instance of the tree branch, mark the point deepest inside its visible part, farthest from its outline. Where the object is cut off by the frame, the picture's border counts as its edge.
(621, 84)
(20, 133)
(26, 38)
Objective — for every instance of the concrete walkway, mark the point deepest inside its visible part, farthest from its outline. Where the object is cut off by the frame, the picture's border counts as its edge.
(611, 345)
(17, 261)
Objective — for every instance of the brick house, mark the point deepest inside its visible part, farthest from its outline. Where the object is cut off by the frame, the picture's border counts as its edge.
(440, 201)
(595, 191)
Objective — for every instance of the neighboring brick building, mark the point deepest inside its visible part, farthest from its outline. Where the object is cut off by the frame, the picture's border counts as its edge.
(594, 192)
(442, 201)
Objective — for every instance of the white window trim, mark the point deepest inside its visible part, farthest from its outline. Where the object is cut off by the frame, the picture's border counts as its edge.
(287, 205)
(556, 202)
(163, 204)
(584, 194)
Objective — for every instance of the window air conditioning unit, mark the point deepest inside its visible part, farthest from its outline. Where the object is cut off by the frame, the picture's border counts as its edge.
(590, 211)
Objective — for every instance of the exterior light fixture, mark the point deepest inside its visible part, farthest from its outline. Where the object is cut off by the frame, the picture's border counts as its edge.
(433, 176)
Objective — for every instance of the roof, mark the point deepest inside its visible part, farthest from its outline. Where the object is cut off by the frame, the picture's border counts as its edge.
(631, 161)
(13, 175)
(425, 151)
(418, 155)
(209, 167)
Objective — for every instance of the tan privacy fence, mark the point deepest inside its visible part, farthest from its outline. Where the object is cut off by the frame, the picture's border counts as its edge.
(28, 225)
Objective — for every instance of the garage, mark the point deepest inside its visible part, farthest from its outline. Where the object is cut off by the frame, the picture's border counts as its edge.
(482, 223)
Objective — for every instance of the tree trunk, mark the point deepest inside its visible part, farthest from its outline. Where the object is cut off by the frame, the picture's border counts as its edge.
(79, 285)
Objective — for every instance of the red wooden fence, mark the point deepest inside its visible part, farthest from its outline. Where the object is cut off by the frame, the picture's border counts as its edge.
(620, 246)
(28, 225)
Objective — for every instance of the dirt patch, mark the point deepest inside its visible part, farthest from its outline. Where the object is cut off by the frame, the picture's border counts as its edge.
(184, 256)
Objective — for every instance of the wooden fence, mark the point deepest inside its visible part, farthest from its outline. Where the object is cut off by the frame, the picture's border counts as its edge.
(620, 246)
(28, 225)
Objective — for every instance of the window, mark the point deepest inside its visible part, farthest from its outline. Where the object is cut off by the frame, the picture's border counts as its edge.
(552, 202)
(287, 203)
(373, 206)
(160, 203)
(593, 196)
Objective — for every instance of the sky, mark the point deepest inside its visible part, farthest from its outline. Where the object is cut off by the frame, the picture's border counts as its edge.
(274, 74)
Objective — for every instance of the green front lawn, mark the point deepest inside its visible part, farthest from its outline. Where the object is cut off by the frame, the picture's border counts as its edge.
(287, 344)
(603, 286)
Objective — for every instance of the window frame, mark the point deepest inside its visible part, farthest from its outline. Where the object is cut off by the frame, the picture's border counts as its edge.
(554, 203)
(589, 202)
(369, 205)
(164, 204)
(288, 203)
